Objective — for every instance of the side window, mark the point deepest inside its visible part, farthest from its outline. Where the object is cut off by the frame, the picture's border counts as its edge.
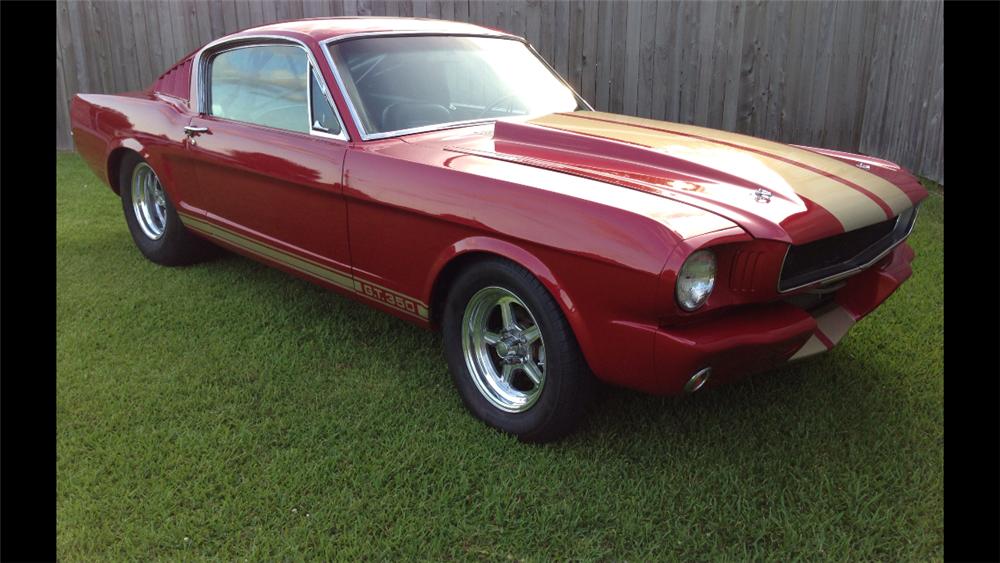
(323, 116)
(266, 85)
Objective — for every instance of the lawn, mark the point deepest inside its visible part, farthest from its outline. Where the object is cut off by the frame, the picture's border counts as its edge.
(230, 411)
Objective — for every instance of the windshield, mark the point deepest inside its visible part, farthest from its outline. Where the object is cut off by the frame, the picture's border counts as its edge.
(398, 83)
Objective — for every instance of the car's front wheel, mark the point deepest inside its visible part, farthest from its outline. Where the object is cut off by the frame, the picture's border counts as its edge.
(512, 354)
(152, 219)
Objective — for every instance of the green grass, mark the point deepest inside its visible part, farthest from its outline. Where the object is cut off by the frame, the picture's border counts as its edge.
(231, 411)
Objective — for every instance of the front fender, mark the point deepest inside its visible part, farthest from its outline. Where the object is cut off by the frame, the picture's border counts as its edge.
(524, 258)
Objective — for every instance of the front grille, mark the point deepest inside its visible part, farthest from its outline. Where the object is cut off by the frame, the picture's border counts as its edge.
(842, 254)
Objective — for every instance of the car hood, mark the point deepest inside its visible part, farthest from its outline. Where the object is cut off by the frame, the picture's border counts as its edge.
(772, 190)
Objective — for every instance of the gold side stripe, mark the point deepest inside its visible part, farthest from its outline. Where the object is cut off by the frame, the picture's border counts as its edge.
(895, 198)
(367, 289)
(212, 226)
(421, 308)
(268, 252)
(317, 264)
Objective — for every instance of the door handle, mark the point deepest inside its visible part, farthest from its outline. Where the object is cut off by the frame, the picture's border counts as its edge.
(191, 130)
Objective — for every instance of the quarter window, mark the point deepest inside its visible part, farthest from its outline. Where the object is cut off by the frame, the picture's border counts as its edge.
(265, 84)
(323, 116)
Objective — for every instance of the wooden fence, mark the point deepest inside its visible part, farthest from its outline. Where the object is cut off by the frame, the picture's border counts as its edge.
(858, 76)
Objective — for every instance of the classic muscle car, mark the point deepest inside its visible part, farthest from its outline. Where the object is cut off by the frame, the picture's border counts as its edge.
(444, 173)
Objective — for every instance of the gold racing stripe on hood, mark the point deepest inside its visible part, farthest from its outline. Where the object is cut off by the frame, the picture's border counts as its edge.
(852, 208)
(893, 197)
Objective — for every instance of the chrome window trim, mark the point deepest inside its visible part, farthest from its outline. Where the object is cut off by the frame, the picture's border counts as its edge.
(171, 96)
(352, 110)
(314, 72)
(857, 269)
(199, 95)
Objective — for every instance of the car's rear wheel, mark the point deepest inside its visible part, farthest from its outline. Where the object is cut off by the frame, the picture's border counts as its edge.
(155, 226)
(512, 354)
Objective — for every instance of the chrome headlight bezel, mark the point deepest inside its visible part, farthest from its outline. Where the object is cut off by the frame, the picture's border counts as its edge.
(695, 280)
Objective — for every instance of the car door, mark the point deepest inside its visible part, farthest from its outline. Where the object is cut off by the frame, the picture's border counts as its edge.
(269, 149)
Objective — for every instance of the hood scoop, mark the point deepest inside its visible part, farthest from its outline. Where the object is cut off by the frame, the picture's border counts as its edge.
(616, 158)
(644, 169)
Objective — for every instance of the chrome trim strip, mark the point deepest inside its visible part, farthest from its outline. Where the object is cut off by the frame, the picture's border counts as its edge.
(199, 99)
(315, 72)
(171, 96)
(366, 136)
(856, 269)
(427, 128)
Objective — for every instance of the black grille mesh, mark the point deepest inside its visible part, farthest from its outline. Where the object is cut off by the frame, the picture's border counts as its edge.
(807, 263)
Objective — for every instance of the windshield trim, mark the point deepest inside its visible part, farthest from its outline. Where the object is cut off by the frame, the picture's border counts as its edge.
(352, 110)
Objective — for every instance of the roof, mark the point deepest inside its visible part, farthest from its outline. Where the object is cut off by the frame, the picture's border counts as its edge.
(321, 29)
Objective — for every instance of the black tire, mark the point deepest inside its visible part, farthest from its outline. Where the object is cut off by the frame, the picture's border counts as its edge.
(176, 246)
(568, 383)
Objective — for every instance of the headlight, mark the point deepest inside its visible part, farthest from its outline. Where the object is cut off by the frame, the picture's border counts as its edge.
(696, 279)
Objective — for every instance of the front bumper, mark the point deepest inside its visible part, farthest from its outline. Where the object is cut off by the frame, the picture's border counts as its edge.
(756, 338)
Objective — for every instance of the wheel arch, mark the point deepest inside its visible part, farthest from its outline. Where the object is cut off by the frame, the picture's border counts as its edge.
(119, 150)
(464, 253)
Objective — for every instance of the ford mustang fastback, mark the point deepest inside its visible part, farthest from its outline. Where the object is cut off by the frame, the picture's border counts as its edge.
(444, 173)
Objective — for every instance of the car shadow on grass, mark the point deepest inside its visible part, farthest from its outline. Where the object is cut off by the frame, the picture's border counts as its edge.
(832, 401)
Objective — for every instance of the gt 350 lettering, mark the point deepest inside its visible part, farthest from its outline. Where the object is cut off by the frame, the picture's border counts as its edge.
(389, 298)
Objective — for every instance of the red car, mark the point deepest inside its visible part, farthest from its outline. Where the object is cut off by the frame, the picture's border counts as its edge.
(444, 173)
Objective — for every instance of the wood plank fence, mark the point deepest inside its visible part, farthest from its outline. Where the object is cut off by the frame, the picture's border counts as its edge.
(859, 76)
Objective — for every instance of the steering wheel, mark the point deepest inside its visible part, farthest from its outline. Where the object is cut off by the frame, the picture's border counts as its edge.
(495, 103)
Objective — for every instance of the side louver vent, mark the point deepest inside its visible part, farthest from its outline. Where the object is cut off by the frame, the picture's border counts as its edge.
(743, 271)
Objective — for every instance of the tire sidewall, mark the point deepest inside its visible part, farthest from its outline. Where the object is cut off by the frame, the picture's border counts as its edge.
(557, 377)
(161, 249)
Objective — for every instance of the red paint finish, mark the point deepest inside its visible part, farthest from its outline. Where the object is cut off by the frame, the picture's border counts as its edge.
(282, 185)
(605, 226)
(866, 291)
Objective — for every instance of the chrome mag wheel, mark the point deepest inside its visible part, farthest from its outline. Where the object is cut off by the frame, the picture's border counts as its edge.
(149, 203)
(503, 349)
